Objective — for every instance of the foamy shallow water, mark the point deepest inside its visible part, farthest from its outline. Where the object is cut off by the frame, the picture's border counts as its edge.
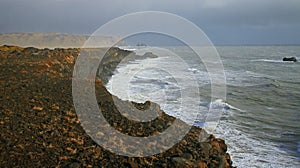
(256, 135)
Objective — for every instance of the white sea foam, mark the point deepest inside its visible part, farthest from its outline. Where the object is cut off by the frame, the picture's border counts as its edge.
(272, 60)
(245, 147)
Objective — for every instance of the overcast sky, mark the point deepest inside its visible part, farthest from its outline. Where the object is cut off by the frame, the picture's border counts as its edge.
(224, 21)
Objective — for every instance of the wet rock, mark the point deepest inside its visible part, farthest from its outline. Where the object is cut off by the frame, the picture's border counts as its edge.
(149, 55)
(291, 59)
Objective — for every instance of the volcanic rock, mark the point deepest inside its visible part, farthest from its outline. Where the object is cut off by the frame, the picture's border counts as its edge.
(40, 127)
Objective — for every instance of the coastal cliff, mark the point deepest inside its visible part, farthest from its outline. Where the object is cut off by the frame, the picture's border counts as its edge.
(40, 128)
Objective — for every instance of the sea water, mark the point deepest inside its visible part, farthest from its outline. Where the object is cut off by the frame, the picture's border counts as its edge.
(260, 119)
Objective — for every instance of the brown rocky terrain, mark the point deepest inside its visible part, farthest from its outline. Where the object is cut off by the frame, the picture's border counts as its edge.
(40, 128)
(53, 40)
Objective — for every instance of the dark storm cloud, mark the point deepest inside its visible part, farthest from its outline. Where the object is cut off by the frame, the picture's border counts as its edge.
(256, 13)
(223, 20)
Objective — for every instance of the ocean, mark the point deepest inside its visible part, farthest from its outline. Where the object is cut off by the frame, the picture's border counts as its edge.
(260, 116)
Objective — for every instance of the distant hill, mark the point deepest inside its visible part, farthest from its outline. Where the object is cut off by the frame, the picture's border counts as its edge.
(55, 40)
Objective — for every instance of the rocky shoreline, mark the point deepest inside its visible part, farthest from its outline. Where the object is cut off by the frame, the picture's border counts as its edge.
(40, 128)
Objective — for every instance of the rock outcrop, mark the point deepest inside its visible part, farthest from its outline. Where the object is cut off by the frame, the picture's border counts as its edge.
(291, 59)
(40, 128)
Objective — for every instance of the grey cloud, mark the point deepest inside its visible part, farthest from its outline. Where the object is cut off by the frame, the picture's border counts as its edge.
(214, 16)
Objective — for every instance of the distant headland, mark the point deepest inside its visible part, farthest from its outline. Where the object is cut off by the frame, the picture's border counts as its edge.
(56, 40)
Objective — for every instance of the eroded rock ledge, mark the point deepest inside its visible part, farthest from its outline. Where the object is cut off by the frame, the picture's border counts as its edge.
(40, 128)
